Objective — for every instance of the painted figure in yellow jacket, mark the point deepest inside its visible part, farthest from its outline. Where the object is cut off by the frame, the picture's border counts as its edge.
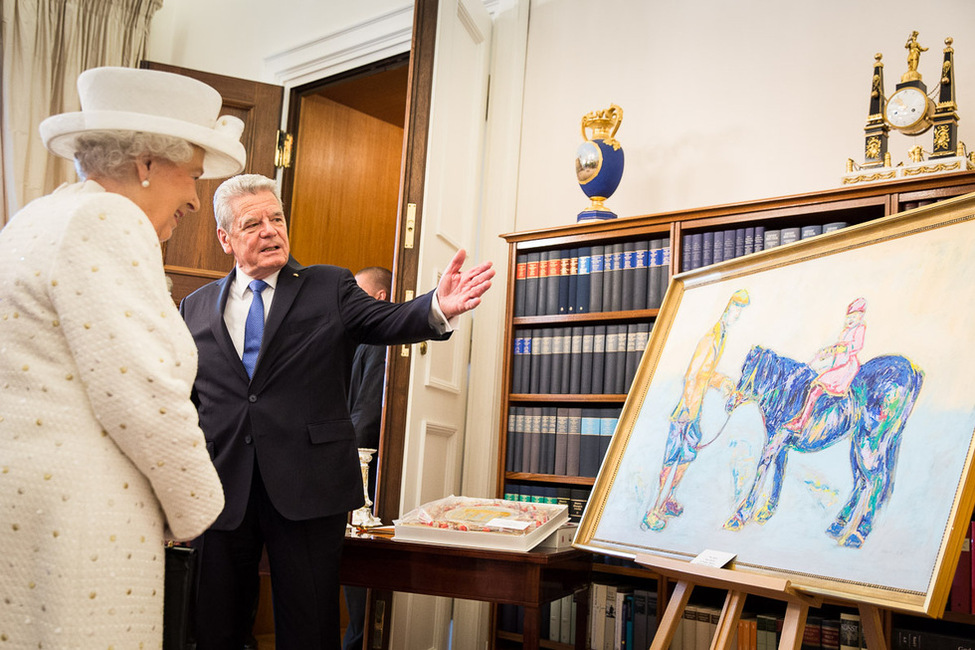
(684, 437)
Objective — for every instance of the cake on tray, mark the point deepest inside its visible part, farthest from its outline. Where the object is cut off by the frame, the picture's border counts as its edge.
(481, 523)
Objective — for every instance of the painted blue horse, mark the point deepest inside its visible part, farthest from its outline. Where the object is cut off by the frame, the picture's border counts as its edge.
(873, 413)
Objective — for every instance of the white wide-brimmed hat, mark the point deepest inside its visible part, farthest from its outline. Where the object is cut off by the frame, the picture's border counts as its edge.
(151, 101)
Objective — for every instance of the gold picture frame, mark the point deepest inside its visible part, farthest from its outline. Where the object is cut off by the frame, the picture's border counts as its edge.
(868, 491)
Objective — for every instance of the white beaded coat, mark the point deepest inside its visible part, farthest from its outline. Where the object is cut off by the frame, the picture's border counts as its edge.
(101, 456)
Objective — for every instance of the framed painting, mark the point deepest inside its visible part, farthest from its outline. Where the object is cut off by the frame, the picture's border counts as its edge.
(809, 409)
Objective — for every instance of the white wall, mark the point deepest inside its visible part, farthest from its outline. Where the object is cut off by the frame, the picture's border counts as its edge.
(723, 100)
(233, 37)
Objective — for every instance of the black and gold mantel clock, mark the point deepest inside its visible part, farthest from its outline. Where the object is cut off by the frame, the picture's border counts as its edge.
(911, 111)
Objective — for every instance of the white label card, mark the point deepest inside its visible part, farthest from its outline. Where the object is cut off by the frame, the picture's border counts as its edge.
(716, 559)
(501, 522)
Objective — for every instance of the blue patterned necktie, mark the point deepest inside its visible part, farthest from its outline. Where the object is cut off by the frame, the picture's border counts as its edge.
(254, 327)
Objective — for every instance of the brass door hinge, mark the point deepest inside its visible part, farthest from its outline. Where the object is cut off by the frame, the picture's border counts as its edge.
(282, 154)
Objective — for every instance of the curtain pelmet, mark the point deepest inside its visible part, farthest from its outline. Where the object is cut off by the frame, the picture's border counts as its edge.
(46, 44)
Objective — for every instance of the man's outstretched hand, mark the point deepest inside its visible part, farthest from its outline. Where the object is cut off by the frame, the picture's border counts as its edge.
(461, 291)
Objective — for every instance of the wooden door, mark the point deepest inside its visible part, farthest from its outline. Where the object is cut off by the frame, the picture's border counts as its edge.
(345, 185)
(193, 256)
(436, 410)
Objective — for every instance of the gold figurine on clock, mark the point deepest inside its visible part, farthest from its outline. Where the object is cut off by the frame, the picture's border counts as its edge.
(911, 111)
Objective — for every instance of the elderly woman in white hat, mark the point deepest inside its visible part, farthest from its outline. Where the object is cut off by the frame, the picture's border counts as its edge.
(101, 458)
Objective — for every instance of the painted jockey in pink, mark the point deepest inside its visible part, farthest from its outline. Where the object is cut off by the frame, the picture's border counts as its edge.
(837, 364)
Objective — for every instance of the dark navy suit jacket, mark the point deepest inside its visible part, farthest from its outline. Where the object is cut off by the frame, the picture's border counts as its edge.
(292, 416)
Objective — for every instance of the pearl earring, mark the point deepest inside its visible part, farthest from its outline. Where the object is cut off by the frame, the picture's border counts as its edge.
(145, 183)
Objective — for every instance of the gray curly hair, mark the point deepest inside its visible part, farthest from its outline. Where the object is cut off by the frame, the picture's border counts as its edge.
(110, 153)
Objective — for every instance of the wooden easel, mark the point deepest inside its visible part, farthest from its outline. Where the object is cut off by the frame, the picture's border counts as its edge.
(739, 585)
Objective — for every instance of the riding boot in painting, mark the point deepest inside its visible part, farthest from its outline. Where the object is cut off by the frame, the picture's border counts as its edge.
(799, 422)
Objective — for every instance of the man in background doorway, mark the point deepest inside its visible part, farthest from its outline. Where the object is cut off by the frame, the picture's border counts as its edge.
(366, 409)
(369, 374)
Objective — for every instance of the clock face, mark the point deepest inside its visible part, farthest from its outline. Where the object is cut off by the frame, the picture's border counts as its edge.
(906, 108)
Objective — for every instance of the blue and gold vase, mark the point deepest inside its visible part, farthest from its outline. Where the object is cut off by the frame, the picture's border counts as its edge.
(599, 161)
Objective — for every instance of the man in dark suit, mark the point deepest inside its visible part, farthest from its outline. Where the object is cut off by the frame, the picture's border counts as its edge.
(369, 375)
(366, 409)
(274, 412)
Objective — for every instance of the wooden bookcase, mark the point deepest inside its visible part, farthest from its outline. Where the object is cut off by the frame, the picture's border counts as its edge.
(517, 476)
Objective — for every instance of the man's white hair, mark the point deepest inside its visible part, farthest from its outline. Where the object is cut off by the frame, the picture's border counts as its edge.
(235, 187)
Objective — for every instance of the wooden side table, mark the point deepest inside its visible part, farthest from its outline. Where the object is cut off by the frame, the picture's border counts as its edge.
(529, 579)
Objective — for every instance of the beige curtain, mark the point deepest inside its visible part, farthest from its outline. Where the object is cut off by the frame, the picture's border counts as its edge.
(46, 44)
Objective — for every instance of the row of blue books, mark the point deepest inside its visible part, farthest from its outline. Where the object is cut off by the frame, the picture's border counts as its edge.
(559, 441)
(621, 276)
(713, 246)
(578, 360)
